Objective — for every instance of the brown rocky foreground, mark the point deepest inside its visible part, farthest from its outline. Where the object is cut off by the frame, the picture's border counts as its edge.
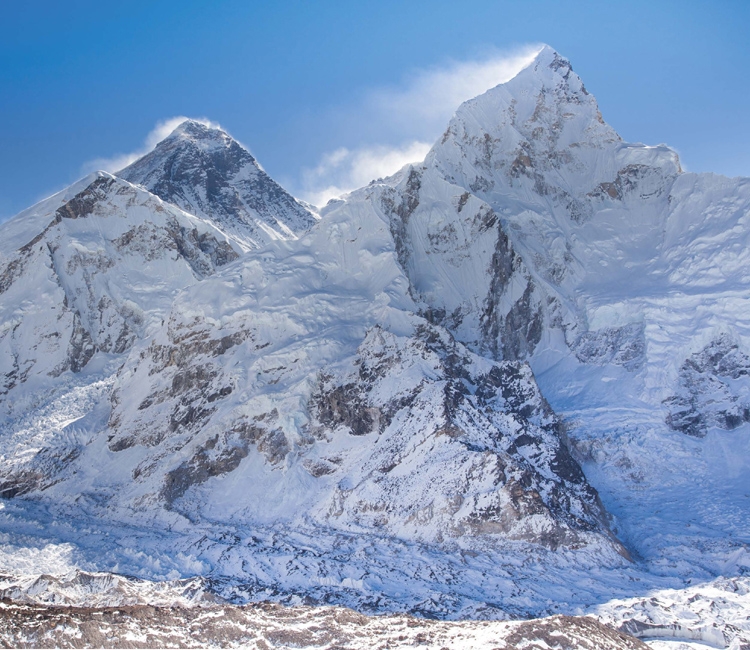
(264, 626)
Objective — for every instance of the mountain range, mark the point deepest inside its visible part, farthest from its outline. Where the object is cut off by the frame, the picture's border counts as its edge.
(511, 380)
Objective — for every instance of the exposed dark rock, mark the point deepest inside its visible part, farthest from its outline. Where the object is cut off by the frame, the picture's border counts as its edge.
(622, 346)
(84, 203)
(224, 453)
(523, 326)
(400, 206)
(81, 348)
(515, 334)
(344, 405)
(25, 481)
(12, 271)
(187, 347)
(569, 633)
(187, 415)
(204, 464)
(15, 268)
(38, 474)
(706, 396)
(505, 262)
(189, 242)
(628, 180)
(462, 201)
(192, 391)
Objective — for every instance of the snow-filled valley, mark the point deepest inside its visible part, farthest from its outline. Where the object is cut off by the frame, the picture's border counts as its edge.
(511, 381)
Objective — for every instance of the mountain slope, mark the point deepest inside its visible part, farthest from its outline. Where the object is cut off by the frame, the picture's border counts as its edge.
(302, 372)
(100, 275)
(520, 203)
(532, 231)
(103, 261)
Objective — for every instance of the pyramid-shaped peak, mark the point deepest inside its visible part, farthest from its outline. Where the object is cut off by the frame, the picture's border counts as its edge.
(195, 143)
(204, 171)
(540, 122)
(545, 92)
(550, 57)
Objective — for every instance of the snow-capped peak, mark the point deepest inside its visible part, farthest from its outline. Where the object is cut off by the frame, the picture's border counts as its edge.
(199, 134)
(548, 72)
(540, 136)
(204, 171)
(549, 59)
(542, 115)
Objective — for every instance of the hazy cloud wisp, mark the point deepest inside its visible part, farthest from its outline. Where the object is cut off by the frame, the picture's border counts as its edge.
(407, 120)
(162, 129)
(343, 170)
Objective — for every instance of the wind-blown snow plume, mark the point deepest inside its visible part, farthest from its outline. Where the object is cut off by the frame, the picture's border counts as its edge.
(344, 169)
(160, 131)
(399, 124)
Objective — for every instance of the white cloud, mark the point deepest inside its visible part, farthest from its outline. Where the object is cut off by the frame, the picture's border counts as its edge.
(430, 97)
(400, 123)
(342, 170)
(162, 129)
(385, 129)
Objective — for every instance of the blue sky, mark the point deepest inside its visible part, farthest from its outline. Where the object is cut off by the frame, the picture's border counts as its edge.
(325, 92)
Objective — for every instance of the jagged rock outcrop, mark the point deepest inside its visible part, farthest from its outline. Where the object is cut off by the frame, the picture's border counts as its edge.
(713, 389)
(457, 446)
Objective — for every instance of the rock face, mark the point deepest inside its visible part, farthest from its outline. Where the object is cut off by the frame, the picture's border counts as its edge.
(206, 173)
(462, 446)
(463, 270)
(97, 264)
(712, 390)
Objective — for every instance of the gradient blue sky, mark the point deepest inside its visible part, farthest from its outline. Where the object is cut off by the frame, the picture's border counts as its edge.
(298, 81)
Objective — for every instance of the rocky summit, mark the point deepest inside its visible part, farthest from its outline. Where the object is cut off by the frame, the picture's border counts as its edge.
(205, 172)
(510, 381)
